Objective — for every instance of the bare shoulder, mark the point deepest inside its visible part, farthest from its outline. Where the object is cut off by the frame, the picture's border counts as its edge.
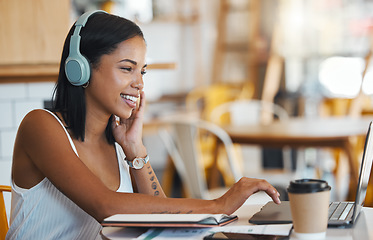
(39, 135)
(38, 123)
(40, 130)
(37, 117)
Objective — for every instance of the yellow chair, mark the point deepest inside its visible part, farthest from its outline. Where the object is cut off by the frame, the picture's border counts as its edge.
(204, 99)
(3, 218)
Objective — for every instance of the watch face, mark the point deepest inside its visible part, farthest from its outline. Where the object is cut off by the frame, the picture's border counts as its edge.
(138, 163)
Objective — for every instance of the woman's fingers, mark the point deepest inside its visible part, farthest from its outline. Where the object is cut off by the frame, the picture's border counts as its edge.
(263, 185)
(274, 195)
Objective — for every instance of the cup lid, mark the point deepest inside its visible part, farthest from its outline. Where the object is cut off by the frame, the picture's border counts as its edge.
(308, 186)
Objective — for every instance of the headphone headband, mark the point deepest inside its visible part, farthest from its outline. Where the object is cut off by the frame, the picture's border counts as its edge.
(77, 67)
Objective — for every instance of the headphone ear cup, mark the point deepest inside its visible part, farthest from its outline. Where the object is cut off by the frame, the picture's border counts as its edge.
(77, 69)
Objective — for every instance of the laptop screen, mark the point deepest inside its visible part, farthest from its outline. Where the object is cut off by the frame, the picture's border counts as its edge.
(364, 176)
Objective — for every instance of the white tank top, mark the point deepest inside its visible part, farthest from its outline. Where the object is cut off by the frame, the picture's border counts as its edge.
(43, 212)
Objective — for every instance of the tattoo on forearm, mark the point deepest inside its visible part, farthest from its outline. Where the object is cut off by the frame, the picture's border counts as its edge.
(154, 183)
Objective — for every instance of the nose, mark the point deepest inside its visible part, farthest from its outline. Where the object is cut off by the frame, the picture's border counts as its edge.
(138, 83)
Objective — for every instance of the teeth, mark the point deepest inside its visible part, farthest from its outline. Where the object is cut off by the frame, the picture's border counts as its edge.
(132, 98)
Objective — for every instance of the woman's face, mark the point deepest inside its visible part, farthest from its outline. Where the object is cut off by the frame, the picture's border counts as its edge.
(116, 82)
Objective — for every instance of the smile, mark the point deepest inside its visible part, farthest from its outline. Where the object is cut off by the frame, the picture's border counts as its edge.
(129, 97)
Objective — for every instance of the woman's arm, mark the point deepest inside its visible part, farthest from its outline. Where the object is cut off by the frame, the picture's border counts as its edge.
(146, 181)
(228, 203)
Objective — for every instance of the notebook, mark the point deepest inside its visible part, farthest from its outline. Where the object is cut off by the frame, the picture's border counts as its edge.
(168, 220)
(341, 214)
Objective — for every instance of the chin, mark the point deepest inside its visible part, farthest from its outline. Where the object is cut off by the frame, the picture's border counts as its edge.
(125, 115)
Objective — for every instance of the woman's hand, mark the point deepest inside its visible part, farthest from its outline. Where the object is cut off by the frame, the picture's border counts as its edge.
(243, 189)
(128, 132)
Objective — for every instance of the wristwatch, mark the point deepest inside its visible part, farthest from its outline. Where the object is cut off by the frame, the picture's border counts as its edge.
(138, 162)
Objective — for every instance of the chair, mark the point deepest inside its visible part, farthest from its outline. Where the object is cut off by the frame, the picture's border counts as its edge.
(182, 140)
(204, 99)
(3, 218)
(252, 111)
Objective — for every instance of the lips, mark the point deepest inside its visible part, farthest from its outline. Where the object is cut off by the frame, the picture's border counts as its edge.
(129, 99)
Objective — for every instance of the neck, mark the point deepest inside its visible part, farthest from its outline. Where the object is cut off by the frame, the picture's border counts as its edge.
(95, 126)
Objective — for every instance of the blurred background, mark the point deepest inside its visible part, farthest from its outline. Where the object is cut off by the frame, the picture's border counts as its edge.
(310, 57)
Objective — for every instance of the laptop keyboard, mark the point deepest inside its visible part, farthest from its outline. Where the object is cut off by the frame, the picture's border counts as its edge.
(340, 210)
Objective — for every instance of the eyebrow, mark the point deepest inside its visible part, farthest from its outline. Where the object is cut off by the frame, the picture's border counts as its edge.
(133, 62)
(129, 60)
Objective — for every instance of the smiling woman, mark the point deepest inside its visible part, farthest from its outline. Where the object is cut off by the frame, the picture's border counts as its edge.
(85, 160)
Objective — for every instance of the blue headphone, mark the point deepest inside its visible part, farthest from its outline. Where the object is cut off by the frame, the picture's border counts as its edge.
(77, 68)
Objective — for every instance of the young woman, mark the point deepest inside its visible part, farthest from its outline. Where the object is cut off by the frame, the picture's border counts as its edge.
(85, 160)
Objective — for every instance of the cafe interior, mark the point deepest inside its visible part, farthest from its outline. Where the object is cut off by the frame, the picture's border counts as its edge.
(273, 89)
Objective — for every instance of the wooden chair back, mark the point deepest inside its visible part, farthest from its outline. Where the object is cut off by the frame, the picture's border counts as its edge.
(3, 218)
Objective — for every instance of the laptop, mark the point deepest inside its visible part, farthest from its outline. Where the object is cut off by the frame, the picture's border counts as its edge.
(341, 214)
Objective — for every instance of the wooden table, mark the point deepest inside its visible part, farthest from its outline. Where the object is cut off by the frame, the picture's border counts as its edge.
(306, 132)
